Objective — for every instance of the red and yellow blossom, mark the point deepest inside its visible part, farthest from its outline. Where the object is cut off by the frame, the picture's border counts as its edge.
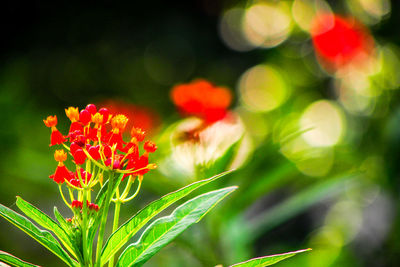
(62, 173)
(56, 137)
(95, 142)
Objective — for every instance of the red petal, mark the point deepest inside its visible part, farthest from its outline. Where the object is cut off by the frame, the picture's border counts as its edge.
(56, 138)
(79, 156)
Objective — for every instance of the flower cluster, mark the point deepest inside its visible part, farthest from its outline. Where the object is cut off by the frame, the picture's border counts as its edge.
(95, 142)
(202, 99)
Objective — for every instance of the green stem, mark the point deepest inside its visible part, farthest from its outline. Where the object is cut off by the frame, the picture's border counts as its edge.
(115, 226)
(84, 227)
(135, 194)
(106, 205)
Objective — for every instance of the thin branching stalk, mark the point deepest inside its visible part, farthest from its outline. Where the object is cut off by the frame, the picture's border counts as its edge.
(105, 207)
(115, 225)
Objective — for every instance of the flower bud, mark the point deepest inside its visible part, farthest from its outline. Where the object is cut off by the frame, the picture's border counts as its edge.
(79, 156)
(91, 108)
(85, 116)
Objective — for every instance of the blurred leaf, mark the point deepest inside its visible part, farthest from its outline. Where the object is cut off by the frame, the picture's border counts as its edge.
(165, 229)
(268, 260)
(298, 203)
(45, 221)
(223, 162)
(41, 236)
(267, 182)
(136, 222)
(14, 261)
(242, 231)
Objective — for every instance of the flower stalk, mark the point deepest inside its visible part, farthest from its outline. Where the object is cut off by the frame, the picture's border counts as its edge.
(95, 142)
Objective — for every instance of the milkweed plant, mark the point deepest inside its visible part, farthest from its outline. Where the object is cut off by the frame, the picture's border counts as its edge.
(108, 170)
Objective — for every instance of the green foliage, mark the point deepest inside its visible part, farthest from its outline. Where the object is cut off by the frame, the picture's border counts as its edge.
(10, 259)
(45, 221)
(165, 229)
(41, 236)
(157, 235)
(268, 260)
(134, 224)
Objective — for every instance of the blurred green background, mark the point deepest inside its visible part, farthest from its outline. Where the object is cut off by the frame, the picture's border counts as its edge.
(332, 185)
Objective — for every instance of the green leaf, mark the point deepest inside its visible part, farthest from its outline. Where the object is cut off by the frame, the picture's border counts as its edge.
(223, 162)
(268, 260)
(163, 230)
(45, 221)
(102, 194)
(41, 236)
(61, 221)
(14, 261)
(136, 222)
(300, 202)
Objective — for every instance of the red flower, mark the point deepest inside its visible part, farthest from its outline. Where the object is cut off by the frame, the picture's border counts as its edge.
(141, 163)
(100, 135)
(202, 99)
(132, 150)
(85, 117)
(75, 182)
(94, 152)
(106, 114)
(138, 134)
(77, 204)
(62, 173)
(56, 137)
(150, 147)
(79, 156)
(91, 108)
(141, 117)
(338, 40)
(50, 121)
(94, 207)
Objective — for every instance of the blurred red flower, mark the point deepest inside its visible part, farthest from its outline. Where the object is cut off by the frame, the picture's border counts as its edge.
(339, 41)
(139, 116)
(202, 99)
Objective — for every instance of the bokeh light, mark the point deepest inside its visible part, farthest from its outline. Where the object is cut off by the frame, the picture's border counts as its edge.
(369, 11)
(326, 124)
(303, 12)
(231, 32)
(267, 24)
(262, 88)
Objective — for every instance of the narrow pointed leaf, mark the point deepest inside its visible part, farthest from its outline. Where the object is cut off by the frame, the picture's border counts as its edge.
(163, 230)
(61, 220)
(102, 194)
(14, 261)
(45, 221)
(268, 260)
(41, 236)
(135, 223)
